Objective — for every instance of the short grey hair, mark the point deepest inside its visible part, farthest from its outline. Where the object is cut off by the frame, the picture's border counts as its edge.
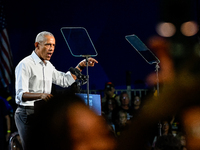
(41, 36)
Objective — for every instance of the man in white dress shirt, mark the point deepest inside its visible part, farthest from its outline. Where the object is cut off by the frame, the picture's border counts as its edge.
(34, 77)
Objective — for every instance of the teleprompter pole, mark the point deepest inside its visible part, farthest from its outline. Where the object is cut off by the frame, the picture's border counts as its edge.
(87, 74)
(157, 80)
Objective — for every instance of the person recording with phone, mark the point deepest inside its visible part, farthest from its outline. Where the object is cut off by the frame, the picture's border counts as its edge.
(34, 76)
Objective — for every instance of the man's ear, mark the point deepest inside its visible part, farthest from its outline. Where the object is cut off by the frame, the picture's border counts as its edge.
(36, 44)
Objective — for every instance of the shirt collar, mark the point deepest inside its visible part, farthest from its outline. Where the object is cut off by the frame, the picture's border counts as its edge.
(36, 59)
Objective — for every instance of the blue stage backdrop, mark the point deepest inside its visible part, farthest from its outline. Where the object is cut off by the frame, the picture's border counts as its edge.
(107, 22)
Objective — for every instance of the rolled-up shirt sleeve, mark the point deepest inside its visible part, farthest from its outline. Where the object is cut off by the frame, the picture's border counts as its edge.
(21, 81)
(62, 79)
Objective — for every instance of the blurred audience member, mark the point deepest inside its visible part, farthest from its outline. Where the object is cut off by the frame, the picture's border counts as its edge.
(67, 123)
(121, 124)
(109, 92)
(110, 106)
(182, 137)
(124, 99)
(191, 126)
(136, 103)
(167, 142)
(166, 129)
(5, 129)
(11, 107)
(7, 104)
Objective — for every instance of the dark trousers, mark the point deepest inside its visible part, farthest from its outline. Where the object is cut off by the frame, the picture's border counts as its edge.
(25, 120)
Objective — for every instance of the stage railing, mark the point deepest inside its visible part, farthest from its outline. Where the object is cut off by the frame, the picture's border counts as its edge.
(134, 92)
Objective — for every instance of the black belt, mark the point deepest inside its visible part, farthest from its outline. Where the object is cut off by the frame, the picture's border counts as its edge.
(26, 107)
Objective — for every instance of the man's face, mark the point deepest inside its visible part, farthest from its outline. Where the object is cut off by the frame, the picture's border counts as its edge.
(125, 99)
(110, 92)
(137, 101)
(46, 48)
(165, 126)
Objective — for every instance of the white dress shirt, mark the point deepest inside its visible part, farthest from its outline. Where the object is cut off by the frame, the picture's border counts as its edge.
(34, 76)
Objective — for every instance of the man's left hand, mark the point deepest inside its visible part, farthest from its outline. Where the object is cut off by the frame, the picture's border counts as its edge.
(82, 64)
(91, 62)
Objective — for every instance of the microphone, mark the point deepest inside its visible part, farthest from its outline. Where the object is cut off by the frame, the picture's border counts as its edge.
(78, 74)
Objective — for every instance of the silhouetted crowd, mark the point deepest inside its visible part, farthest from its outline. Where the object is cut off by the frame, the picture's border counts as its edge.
(68, 120)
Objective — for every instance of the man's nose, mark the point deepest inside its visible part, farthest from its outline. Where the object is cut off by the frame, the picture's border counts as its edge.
(51, 47)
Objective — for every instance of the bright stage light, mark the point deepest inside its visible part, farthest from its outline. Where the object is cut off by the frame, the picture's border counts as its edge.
(166, 29)
(189, 28)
